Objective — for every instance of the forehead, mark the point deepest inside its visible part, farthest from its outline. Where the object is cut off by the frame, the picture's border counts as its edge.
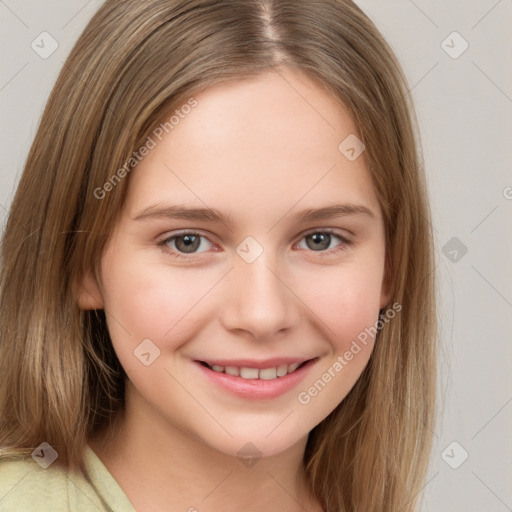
(257, 145)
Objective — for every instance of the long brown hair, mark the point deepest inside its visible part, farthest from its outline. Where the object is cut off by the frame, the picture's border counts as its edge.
(136, 61)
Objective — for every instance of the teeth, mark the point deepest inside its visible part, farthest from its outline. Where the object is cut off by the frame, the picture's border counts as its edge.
(268, 373)
(255, 373)
(249, 373)
(293, 367)
(232, 370)
(282, 370)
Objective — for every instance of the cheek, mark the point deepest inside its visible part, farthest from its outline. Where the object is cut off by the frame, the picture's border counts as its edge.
(157, 303)
(347, 306)
(345, 300)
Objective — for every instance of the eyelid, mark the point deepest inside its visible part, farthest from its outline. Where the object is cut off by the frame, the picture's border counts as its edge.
(165, 239)
(332, 231)
(180, 232)
(162, 242)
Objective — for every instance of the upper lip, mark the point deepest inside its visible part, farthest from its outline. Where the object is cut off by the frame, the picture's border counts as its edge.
(252, 363)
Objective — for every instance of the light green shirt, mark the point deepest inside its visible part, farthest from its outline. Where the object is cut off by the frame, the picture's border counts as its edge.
(26, 487)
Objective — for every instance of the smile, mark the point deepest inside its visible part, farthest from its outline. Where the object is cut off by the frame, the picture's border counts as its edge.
(255, 380)
(246, 372)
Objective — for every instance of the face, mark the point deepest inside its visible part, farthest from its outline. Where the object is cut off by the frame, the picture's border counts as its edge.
(249, 244)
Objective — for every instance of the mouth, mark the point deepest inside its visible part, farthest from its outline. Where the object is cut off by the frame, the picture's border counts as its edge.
(256, 380)
(262, 372)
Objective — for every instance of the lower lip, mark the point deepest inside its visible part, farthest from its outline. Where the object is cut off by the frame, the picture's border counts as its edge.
(257, 388)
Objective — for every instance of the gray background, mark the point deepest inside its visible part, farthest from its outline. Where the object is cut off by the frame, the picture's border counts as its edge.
(464, 106)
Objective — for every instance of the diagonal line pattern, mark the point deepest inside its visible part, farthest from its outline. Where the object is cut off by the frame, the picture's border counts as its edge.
(110, 314)
(409, 90)
(12, 12)
(481, 222)
(486, 14)
(165, 165)
(300, 300)
(14, 486)
(118, 322)
(499, 1)
(301, 198)
(78, 487)
(492, 418)
(284, 489)
(211, 288)
(14, 76)
(389, 392)
(422, 78)
(424, 13)
(420, 491)
(198, 402)
(492, 81)
(216, 487)
(74, 16)
(293, 410)
(493, 287)
(497, 497)
(414, 412)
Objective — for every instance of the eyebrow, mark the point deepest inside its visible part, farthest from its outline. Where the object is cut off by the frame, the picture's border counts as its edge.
(159, 211)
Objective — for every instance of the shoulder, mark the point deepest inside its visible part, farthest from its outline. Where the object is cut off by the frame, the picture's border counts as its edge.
(25, 485)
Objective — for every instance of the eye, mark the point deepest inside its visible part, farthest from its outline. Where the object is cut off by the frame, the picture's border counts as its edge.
(321, 241)
(185, 243)
(180, 245)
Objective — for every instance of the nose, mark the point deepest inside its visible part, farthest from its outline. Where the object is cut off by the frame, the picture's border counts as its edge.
(258, 300)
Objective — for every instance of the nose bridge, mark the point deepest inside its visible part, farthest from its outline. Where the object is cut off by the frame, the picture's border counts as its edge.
(257, 299)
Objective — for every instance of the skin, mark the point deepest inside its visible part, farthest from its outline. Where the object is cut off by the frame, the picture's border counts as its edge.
(259, 150)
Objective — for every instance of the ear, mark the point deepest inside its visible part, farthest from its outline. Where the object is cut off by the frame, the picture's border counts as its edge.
(88, 293)
(385, 294)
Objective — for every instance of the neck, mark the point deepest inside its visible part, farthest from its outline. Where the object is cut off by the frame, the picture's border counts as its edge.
(161, 467)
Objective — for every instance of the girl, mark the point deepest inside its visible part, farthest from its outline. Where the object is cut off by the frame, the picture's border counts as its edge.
(217, 287)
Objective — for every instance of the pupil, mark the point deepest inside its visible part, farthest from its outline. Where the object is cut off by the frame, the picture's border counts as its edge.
(189, 243)
(321, 240)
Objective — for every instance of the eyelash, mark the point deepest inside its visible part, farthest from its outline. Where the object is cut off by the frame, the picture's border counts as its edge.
(345, 243)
